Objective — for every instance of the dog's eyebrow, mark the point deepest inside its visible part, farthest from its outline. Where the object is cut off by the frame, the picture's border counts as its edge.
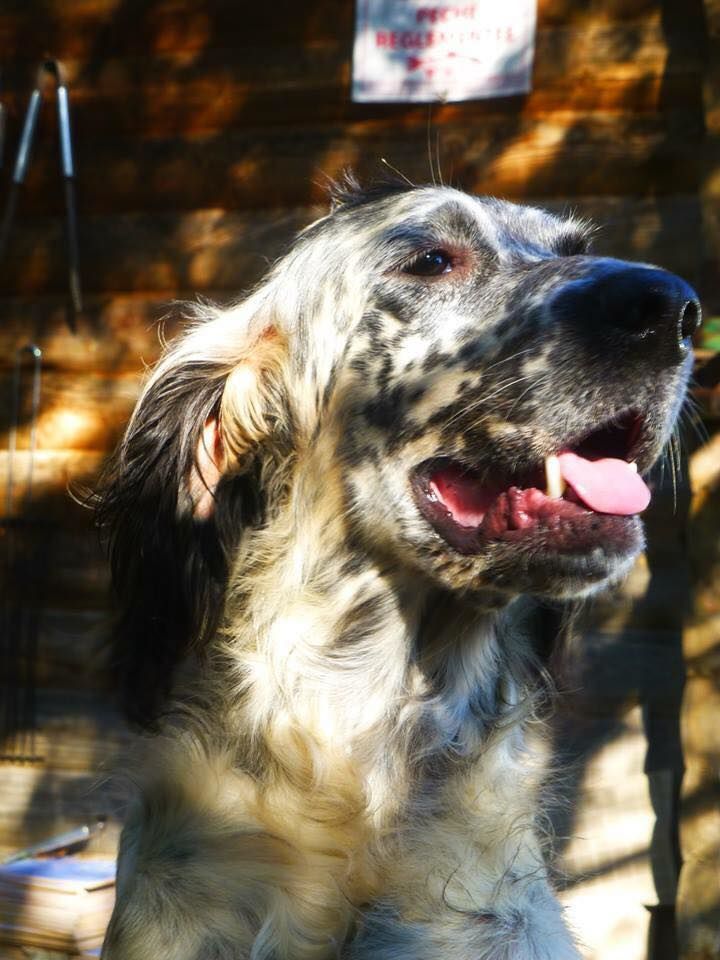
(410, 235)
(450, 223)
(534, 228)
(461, 223)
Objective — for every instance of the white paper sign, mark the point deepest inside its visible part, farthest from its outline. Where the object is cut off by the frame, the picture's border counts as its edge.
(415, 50)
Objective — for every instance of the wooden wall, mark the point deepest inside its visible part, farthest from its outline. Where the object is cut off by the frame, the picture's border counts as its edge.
(203, 130)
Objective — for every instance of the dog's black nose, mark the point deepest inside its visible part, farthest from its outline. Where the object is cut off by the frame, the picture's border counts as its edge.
(643, 301)
(628, 303)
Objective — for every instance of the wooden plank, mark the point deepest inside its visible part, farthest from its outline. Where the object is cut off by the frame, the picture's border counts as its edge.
(598, 66)
(256, 168)
(207, 249)
(698, 905)
(180, 110)
(710, 257)
(100, 28)
(83, 739)
(604, 839)
(665, 231)
(54, 472)
(77, 411)
(564, 11)
(72, 652)
(68, 579)
(561, 159)
(116, 334)
(222, 251)
(40, 803)
(643, 665)
(76, 732)
(285, 63)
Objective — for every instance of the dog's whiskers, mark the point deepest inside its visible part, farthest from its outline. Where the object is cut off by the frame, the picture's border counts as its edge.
(513, 356)
(471, 407)
(396, 171)
(690, 417)
(538, 383)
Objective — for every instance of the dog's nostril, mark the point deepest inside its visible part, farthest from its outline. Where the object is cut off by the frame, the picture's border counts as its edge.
(649, 308)
(689, 319)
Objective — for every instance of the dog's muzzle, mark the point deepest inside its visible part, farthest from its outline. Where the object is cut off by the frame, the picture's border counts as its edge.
(621, 352)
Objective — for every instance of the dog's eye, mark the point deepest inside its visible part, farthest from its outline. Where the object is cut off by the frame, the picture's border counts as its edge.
(432, 263)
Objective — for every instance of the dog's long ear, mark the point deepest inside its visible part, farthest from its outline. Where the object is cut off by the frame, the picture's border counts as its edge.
(181, 488)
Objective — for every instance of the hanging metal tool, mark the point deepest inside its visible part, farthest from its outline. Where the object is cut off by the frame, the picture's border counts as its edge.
(49, 68)
(67, 841)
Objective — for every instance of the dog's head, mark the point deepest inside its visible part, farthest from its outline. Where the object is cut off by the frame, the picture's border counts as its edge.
(506, 392)
(489, 395)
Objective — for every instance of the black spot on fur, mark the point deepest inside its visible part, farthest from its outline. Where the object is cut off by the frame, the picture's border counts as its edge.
(372, 322)
(471, 352)
(388, 410)
(362, 621)
(402, 308)
(433, 359)
(354, 560)
(411, 430)
(357, 448)
(359, 364)
(329, 387)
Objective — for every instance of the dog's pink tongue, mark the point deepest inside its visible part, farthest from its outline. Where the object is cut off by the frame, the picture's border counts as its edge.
(606, 486)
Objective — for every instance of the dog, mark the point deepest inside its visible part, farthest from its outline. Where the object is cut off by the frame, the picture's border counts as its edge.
(330, 504)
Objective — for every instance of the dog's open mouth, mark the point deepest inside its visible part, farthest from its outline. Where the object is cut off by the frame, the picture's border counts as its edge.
(571, 501)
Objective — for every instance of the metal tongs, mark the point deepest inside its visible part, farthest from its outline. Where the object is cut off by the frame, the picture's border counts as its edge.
(53, 69)
(64, 841)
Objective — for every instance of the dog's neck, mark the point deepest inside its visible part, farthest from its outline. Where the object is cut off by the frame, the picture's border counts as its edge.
(349, 651)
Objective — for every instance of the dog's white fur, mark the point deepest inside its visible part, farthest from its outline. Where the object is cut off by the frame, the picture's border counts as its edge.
(357, 772)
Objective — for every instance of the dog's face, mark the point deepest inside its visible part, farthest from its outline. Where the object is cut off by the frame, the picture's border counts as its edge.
(494, 353)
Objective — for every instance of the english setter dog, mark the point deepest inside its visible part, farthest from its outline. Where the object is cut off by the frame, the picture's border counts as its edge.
(329, 505)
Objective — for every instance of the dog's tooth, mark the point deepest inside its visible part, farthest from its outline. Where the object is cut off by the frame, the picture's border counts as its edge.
(555, 485)
(633, 466)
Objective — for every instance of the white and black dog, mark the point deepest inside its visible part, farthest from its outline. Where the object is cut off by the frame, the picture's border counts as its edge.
(329, 501)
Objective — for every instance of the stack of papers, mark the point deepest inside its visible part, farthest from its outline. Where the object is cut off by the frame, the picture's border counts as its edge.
(61, 904)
